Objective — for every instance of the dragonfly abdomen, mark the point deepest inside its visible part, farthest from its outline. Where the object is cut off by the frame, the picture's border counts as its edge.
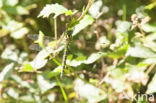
(64, 59)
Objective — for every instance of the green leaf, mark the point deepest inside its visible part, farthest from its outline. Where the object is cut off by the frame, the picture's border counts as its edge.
(13, 26)
(45, 84)
(27, 68)
(150, 6)
(152, 86)
(117, 79)
(123, 26)
(87, 20)
(6, 72)
(91, 59)
(120, 47)
(1, 3)
(80, 58)
(95, 8)
(13, 93)
(3, 32)
(40, 40)
(23, 57)
(51, 97)
(150, 41)
(117, 73)
(102, 42)
(149, 27)
(11, 2)
(89, 92)
(17, 10)
(10, 53)
(119, 52)
(149, 61)
(68, 13)
(18, 80)
(94, 57)
(20, 33)
(140, 52)
(53, 8)
(54, 72)
(40, 60)
(27, 98)
(136, 73)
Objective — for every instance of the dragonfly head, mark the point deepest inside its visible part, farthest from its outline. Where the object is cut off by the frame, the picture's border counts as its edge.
(69, 33)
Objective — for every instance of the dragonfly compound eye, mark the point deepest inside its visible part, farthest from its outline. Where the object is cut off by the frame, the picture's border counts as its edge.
(69, 32)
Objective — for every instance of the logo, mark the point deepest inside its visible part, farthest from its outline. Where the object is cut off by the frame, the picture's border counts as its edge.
(137, 97)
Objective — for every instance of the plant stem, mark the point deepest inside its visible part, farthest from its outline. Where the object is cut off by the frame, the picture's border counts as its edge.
(86, 10)
(150, 69)
(55, 27)
(63, 91)
(124, 12)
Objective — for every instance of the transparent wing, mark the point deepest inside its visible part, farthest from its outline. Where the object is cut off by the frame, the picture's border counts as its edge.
(35, 37)
(36, 47)
(47, 39)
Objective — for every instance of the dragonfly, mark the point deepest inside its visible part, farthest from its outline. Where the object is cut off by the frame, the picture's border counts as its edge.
(67, 34)
(36, 47)
(48, 40)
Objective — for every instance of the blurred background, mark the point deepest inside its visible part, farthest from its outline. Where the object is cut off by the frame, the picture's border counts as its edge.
(111, 58)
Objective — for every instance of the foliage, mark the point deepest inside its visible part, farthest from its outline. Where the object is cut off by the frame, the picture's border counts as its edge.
(111, 58)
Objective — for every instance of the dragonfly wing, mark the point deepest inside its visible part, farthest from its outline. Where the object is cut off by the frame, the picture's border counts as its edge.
(48, 38)
(35, 37)
(32, 36)
(35, 47)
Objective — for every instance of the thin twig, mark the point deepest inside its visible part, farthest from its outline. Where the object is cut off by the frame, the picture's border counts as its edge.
(86, 10)
(55, 27)
(62, 90)
(150, 69)
(142, 32)
(115, 62)
(61, 38)
(99, 15)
